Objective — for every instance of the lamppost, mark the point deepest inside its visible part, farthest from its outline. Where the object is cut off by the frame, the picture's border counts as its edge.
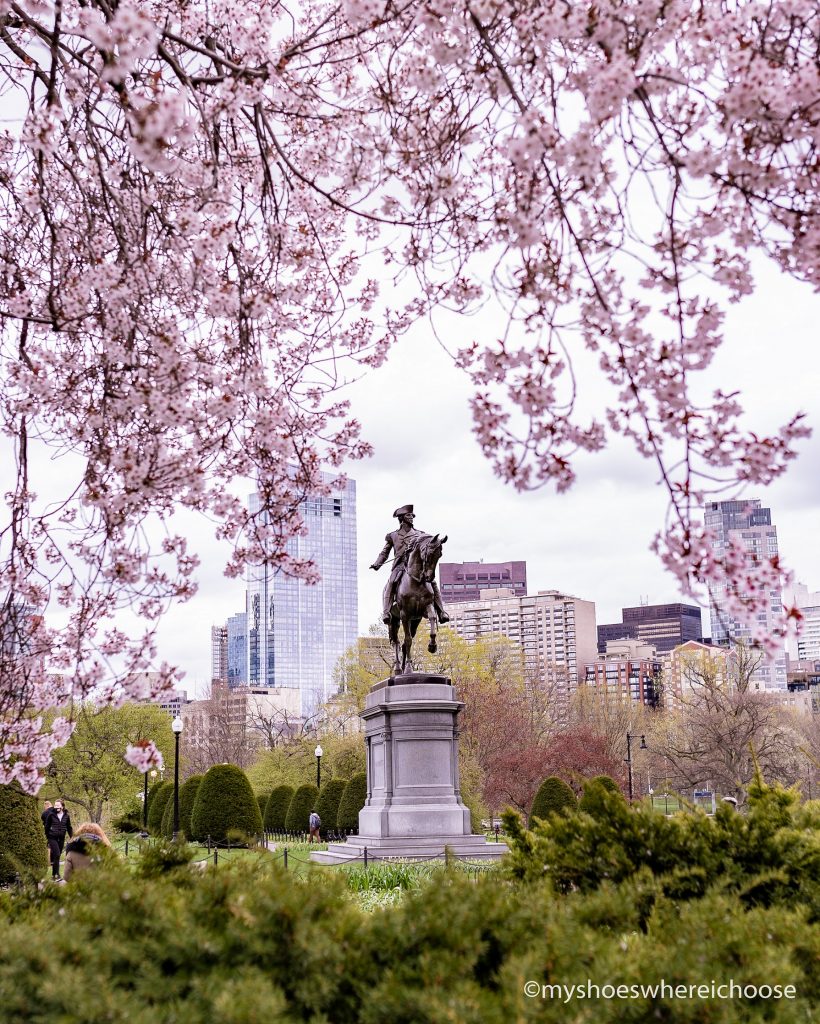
(153, 774)
(318, 752)
(629, 739)
(176, 726)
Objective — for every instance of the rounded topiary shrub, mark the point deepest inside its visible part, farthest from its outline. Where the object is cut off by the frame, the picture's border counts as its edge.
(23, 848)
(303, 802)
(276, 809)
(553, 796)
(156, 807)
(351, 803)
(597, 793)
(327, 806)
(225, 803)
(152, 792)
(187, 796)
(262, 800)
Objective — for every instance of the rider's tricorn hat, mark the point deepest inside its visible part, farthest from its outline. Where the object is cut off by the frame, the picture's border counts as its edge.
(403, 511)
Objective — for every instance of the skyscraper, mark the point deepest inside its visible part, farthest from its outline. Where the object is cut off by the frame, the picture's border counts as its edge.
(296, 633)
(750, 523)
(808, 601)
(237, 627)
(665, 626)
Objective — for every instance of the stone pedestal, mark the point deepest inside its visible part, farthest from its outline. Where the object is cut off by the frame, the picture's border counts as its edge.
(413, 807)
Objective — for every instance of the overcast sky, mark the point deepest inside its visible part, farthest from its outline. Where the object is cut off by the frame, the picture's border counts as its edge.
(592, 542)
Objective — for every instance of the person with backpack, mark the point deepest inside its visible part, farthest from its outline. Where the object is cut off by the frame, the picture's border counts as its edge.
(315, 823)
(57, 824)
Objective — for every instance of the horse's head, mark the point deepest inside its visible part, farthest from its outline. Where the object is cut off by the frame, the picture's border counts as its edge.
(429, 551)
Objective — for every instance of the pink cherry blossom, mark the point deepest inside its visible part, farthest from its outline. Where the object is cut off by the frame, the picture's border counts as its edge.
(143, 755)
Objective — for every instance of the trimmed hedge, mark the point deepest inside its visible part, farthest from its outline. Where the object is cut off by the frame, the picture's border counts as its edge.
(23, 847)
(262, 800)
(225, 803)
(187, 796)
(152, 792)
(352, 802)
(594, 790)
(553, 796)
(276, 809)
(304, 801)
(156, 808)
(327, 806)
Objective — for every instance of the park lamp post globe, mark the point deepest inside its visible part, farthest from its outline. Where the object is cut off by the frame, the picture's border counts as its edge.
(318, 752)
(176, 727)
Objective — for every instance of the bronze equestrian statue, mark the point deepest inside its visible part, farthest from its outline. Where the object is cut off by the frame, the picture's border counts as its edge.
(411, 593)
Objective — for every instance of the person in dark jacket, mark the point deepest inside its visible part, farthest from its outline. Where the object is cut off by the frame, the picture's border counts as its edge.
(46, 808)
(57, 825)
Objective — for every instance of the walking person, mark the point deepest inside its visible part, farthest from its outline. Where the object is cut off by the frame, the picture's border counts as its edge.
(314, 823)
(57, 825)
(46, 808)
(85, 849)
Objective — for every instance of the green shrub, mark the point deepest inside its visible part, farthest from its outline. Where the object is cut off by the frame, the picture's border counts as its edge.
(766, 856)
(224, 803)
(303, 802)
(352, 802)
(23, 847)
(553, 796)
(127, 823)
(327, 805)
(262, 800)
(595, 790)
(276, 809)
(152, 792)
(187, 796)
(243, 943)
(156, 809)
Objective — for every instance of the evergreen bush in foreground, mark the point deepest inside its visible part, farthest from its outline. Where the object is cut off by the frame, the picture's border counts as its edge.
(276, 809)
(303, 802)
(352, 802)
(327, 805)
(156, 809)
(225, 803)
(23, 848)
(553, 796)
(242, 942)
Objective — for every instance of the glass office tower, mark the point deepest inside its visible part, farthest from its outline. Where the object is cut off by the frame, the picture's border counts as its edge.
(296, 633)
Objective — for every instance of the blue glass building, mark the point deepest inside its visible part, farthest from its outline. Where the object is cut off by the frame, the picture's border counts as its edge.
(237, 640)
(296, 633)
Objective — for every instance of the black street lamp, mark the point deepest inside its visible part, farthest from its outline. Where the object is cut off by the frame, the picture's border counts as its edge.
(176, 725)
(153, 774)
(318, 752)
(629, 739)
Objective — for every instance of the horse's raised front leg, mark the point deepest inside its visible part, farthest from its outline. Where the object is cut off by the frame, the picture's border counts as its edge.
(431, 615)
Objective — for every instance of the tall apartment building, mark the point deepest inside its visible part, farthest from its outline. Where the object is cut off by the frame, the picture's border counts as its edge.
(296, 633)
(751, 524)
(629, 671)
(464, 581)
(219, 653)
(689, 665)
(556, 631)
(808, 601)
(237, 627)
(665, 626)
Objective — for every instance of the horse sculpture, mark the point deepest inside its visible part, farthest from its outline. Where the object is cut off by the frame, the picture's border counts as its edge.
(414, 599)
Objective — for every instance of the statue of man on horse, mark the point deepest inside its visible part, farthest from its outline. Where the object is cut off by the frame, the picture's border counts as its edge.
(411, 592)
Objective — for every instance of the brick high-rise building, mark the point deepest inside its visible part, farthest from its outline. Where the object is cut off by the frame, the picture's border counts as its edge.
(464, 581)
(556, 631)
(629, 671)
(751, 524)
(665, 626)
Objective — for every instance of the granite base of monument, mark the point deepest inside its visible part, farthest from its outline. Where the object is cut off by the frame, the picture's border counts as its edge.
(413, 808)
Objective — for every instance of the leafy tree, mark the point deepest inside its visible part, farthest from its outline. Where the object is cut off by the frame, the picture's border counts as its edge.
(23, 849)
(225, 803)
(552, 797)
(276, 809)
(90, 770)
(351, 803)
(327, 803)
(304, 801)
(156, 810)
